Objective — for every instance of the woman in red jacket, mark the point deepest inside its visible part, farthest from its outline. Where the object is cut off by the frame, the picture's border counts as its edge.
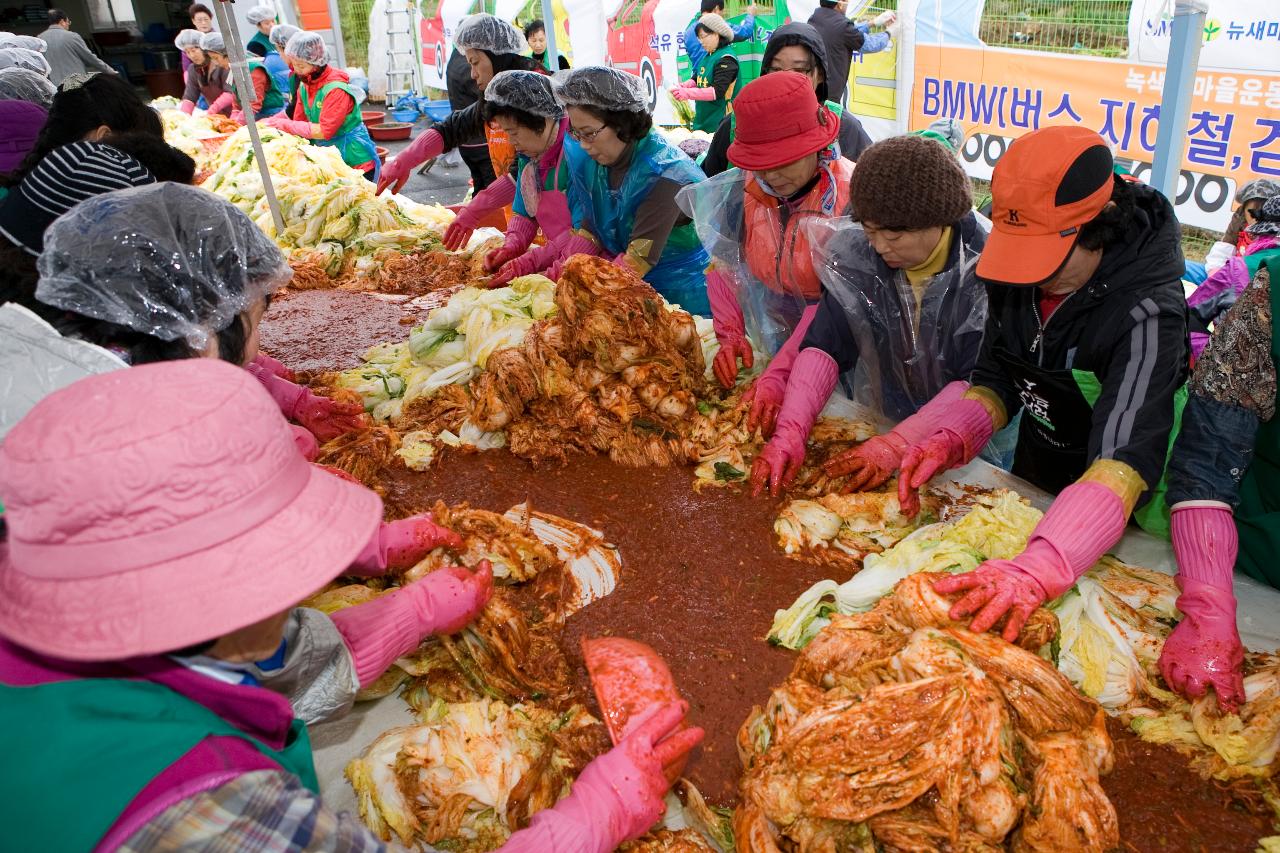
(326, 112)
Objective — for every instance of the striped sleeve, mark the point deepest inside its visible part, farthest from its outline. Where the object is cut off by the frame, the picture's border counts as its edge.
(1133, 417)
(260, 811)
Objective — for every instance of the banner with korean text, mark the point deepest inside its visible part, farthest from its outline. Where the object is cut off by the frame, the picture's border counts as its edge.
(998, 94)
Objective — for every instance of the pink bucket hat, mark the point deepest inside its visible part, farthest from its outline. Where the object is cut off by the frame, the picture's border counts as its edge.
(157, 507)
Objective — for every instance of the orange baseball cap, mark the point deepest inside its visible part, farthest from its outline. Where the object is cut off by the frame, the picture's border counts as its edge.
(1048, 184)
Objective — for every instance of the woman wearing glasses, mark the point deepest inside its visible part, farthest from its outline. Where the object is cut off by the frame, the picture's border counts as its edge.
(630, 182)
(491, 47)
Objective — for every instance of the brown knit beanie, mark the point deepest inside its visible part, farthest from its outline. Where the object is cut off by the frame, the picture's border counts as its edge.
(909, 182)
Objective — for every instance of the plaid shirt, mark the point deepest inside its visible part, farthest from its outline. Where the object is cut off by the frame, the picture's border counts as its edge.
(264, 810)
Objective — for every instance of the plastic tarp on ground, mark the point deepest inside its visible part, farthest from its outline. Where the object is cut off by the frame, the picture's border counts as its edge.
(338, 742)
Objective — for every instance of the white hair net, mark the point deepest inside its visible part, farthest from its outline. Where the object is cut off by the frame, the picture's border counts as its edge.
(309, 47)
(524, 90)
(20, 57)
(24, 42)
(485, 32)
(168, 260)
(258, 14)
(213, 41)
(280, 35)
(602, 88)
(20, 84)
(187, 38)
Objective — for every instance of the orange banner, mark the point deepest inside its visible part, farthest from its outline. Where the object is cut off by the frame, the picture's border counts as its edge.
(999, 94)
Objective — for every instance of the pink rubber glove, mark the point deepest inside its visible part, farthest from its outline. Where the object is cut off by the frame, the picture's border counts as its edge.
(729, 325)
(872, 463)
(392, 625)
(237, 117)
(274, 366)
(694, 93)
(532, 261)
(187, 107)
(1204, 649)
(519, 237)
(305, 442)
(813, 378)
(222, 103)
(288, 125)
(396, 171)
(569, 245)
(968, 429)
(327, 418)
(1084, 521)
(617, 797)
(767, 392)
(401, 544)
(497, 195)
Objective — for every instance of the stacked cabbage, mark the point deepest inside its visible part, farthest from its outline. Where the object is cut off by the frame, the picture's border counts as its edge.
(190, 134)
(331, 214)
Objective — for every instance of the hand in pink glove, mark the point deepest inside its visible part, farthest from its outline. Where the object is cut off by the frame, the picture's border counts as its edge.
(493, 197)
(872, 463)
(274, 367)
(969, 427)
(618, 796)
(1204, 649)
(567, 246)
(695, 93)
(396, 171)
(187, 107)
(812, 379)
(327, 418)
(527, 264)
(390, 626)
(767, 392)
(238, 117)
(305, 441)
(222, 104)
(303, 129)
(730, 328)
(1086, 519)
(519, 237)
(401, 544)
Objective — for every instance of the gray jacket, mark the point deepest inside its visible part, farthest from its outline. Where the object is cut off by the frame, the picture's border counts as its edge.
(68, 54)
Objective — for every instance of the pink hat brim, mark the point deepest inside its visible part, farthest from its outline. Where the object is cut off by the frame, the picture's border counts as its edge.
(171, 605)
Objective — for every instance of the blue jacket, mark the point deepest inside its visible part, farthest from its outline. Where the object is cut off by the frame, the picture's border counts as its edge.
(693, 47)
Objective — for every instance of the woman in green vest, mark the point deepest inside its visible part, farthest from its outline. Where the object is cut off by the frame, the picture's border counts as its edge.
(715, 78)
(138, 620)
(1224, 486)
(327, 111)
(267, 97)
(535, 32)
(264, 18)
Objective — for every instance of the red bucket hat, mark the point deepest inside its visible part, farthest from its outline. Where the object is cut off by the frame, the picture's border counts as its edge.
(1048, 184)
(160, 506)
(779, 121)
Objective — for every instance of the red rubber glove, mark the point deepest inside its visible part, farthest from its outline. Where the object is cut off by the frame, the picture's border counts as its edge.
(767, 392)
(519, 237)
(401, 544)
(498, 194)
(618, 796)
(1204, 649)
(396, 171)
(729, 325)
(969, 427)
(274, 367)
(812, 380)
(872, 463)
(569, 245)
(390, 626)
(1086, 519)
(694, 93)
(327, 418)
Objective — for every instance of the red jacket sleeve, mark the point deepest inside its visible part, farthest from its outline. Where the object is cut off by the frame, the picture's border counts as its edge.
(259, 77)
